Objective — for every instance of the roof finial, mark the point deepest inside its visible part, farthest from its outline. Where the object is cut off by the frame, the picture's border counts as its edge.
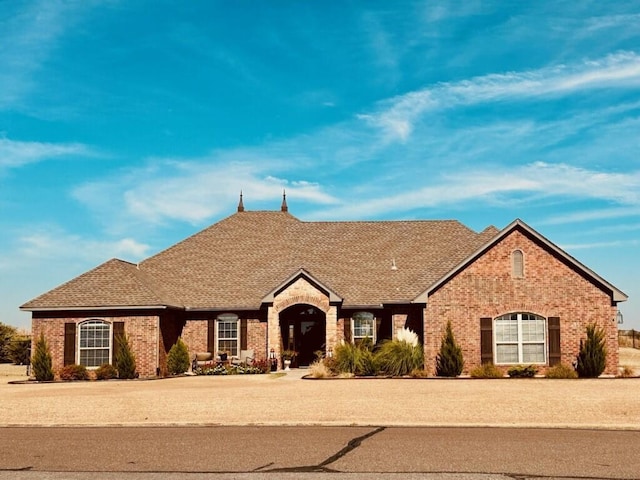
(240, 204)
(284, 207)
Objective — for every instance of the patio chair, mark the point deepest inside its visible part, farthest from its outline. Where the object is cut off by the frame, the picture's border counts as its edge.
(246, 357)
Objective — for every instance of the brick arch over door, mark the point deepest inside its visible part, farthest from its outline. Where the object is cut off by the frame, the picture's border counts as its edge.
(301, 292)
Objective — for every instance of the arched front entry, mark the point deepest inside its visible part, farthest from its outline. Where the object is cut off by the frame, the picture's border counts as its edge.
(303, 329)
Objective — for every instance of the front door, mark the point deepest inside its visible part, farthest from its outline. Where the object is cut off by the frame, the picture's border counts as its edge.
(303, 329)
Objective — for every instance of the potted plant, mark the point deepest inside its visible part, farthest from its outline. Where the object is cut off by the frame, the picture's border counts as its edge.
(287, 358)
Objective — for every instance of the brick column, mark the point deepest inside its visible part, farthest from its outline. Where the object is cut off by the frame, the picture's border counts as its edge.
(273, 331)
(331, 327)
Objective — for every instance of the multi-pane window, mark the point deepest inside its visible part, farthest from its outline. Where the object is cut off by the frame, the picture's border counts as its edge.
(228, 333)
(520, 338)
(364, 326)
(94, 343)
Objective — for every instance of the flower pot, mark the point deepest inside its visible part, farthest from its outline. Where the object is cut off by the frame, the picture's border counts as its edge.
(287, 364)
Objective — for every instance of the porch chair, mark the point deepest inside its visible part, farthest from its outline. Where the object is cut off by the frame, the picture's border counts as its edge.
(246, 357)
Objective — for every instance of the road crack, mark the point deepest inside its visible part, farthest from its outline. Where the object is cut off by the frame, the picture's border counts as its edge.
(323, 466)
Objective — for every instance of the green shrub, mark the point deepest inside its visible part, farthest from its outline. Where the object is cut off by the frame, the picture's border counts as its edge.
(178, 358)
(18, 349)
(593, 354)
(7, 334)
(486, 370)
(398, 358)
(449, 361)
(106, 372)
(561, 370)
(41, 362)
(356, 359)
(520, 371)
(73, 372)
(125, 359)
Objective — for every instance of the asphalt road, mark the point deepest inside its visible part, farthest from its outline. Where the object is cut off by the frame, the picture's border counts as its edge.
(316, 452)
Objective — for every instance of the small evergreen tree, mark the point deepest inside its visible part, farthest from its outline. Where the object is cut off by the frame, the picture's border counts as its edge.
(449, 361)
(178, 358)
(592, 358)
(42, 368)
(125, 359)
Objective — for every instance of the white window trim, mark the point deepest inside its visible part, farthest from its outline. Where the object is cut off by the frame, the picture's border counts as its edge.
(227, 318)
(353, 327)
(79, 337)
(520, 342)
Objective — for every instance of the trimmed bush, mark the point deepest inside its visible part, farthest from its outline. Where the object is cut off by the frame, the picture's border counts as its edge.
(355, 359)
(178, 358)
(41, 362)
(449, 361)
(561, 371)
(592, 358)
(106, 372)
(520, 371)
(73, 372)
(125, 359)
(486, 370)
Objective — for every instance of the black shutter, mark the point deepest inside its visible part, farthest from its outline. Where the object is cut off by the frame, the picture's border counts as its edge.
(211, 340)
(553, 324)
(118, 331)
(486, 340)
(243, 334)
(69, 343)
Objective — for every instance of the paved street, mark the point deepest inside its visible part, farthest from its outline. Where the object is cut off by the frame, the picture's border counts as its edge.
(315, 452)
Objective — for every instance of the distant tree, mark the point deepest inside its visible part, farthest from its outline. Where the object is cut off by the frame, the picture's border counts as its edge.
(41, 362)
(449, 361)
(592, 358)
(7, 333)
(125, 359)
(178, 358)
(20, 349)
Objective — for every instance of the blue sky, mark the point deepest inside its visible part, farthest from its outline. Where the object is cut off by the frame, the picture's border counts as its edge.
(127, 126)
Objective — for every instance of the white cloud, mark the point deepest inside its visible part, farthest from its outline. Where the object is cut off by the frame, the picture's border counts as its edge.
(396, 117)
(501, 184)
(16, 153)
(193, 191)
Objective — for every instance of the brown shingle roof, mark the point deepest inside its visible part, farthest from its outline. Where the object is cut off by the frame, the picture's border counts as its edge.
(115, 283)
(237, 261)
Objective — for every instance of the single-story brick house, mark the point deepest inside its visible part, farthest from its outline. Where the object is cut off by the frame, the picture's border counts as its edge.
(264, 280)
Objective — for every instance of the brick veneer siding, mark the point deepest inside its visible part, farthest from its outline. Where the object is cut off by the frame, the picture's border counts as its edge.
(549, 287)
(142, 332)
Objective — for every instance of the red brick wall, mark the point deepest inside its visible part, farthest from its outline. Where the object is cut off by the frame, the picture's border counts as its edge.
(141, 330)
(550, 288)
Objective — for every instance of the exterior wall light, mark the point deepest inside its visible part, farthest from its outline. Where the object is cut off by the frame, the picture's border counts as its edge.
(619, 317)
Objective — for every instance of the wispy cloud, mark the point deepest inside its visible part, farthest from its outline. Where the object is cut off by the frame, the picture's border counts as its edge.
(497, 184)
(15, 154)
(28, 37)
(396, 117)
(194, 191)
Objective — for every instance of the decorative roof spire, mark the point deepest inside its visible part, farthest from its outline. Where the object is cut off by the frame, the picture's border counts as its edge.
(240, 204)
(284, 207)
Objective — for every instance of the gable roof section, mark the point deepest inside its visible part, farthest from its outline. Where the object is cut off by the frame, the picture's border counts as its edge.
(114, 284)
(302, 273)
(616, 294)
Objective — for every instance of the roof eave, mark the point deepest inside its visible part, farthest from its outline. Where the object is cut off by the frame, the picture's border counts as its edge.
(96, 307)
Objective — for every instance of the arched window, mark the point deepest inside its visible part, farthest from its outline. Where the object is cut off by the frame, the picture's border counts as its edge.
(364, 326)
(94, 343)
(520, 338)
(517, 263)
(228, 334)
